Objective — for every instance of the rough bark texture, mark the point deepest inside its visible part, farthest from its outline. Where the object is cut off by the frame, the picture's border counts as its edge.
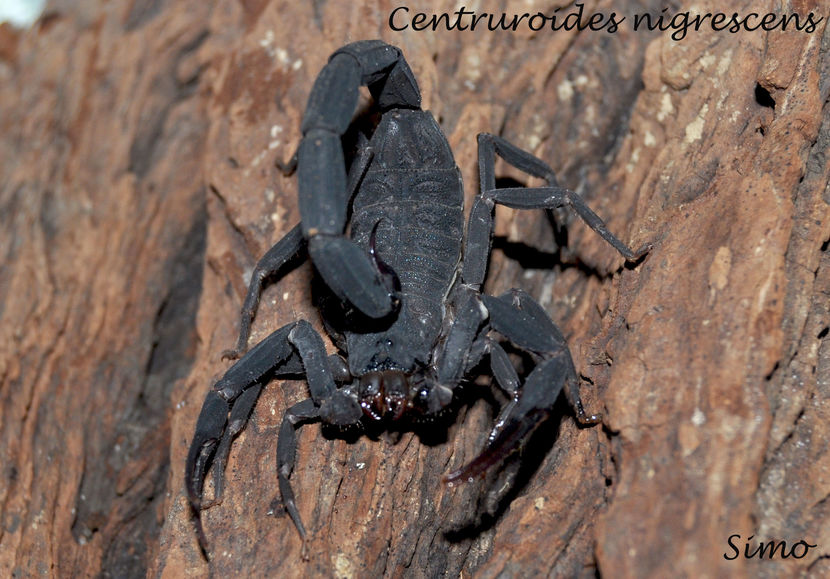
(138, 189)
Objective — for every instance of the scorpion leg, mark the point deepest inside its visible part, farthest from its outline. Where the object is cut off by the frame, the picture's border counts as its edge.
(340, 409)
(291, 248)
(228, 405)
(323, 188)
(296, 416)
(457, 353)
(288, 249)
(502, 368)
(480, 225)
(239, 414)
(524, 322)
(521, 320)
(241, 411)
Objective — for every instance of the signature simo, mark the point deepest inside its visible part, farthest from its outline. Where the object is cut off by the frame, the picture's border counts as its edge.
(798, 550)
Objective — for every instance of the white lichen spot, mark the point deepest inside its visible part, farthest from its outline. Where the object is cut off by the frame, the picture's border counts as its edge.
(649, 140)
(719, 268)
(360, 465)
(546, 295)
(267, 43)
(633, 160)
(724, 62)
(297, 64)
(533, 141)
(285, 296)
(270, 195)
(591, 118)
(539, 503)
(694, 130)
(39, 518)
(707, 60)
(258, 159)
(268, 39)
(282, 56)
(698, 417)
(760, 247)
(472, 69)
(565, 90)
(732, 427)
(343, 567)
(666, 107)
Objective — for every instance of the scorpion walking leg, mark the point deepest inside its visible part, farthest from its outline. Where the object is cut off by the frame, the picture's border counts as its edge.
(340, 409)
(521, 320)
(286, 252)
(454, 357)
(295, 416)
(291, 248)
(480, 227)
(228, 406)
(247, 373)
(323, 187)
(240, 412)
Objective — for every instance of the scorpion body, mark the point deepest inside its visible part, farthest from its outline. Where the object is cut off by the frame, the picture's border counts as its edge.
(413, 194)
(403, 279)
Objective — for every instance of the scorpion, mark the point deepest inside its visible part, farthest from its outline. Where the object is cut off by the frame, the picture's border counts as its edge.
(404, 277)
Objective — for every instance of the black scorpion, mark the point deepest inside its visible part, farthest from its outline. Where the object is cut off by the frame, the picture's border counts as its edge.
(406, 279)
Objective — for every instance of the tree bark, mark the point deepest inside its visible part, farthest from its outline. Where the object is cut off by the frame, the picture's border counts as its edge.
(138, 188)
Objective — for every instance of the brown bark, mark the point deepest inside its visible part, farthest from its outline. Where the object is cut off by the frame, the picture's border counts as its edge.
(138, 189)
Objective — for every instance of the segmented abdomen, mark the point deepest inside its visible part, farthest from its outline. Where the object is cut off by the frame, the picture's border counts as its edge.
(413, 192)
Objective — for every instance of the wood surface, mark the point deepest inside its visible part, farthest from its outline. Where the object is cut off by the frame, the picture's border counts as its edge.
(138, 187)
